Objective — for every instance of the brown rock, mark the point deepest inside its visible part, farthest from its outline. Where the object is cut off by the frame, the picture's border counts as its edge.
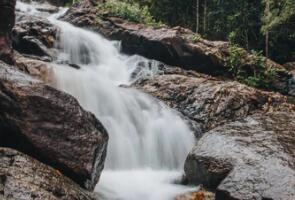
(290, 66)
(82, 14)
(51, 126)
(206, 100)
(36, 68)
(199, 195)
(35, 36)
(7, 12)
(22, 177)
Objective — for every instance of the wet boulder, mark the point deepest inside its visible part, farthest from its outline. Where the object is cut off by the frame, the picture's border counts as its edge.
(22, 177)
(7, 8)
(34, 67)
(83, 14)
(206, 100)
(35, 37)
(251, 158)
(51, 126)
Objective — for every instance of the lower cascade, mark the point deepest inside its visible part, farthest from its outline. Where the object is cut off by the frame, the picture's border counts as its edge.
(148, 141)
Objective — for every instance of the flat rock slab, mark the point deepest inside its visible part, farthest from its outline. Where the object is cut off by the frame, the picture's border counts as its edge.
(22, 177)
(248, 159)
(51, 126)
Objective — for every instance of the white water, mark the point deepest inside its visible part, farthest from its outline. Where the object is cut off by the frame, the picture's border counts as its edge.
(27, 8)
(148, 142)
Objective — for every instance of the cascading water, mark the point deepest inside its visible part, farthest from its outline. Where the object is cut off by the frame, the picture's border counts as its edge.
(148, 141)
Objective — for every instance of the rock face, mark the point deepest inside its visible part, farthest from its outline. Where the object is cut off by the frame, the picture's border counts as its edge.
(7, 12)
(253, 158)
(82, 14)
(206, 100)
(22, 177)
(51, 126)
(34, 36)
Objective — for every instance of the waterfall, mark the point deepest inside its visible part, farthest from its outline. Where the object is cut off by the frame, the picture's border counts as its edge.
(148, 141)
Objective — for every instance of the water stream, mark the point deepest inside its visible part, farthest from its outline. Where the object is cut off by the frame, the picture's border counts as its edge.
(148, 141)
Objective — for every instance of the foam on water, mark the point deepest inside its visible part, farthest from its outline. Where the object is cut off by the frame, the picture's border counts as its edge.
(148, 141)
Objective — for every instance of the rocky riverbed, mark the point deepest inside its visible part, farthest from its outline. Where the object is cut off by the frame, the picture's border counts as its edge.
(52, 148)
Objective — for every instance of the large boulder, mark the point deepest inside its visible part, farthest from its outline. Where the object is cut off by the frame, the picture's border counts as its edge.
(51, 126)
(7, 21)
(206, 100)
(253, 158)
(22, 177)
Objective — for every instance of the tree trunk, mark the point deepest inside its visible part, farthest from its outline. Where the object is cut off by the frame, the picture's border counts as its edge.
(267, 13)
(197, 15)
(205, 16)
(7, 20)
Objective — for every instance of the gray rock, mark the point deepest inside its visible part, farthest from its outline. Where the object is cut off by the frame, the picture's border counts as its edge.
(248, 159)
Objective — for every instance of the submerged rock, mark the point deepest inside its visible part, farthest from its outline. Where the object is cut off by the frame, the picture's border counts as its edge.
(253, 158)
(22, 177)
(51, 126)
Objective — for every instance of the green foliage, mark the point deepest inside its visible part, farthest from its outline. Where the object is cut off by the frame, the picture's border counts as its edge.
(196, 37)
(258, 76)
(280, 13)
(130, 11)
(280, 23)
(234, 60)
(69, 4)
(192, 37)
(241, 22)
(262, 76)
